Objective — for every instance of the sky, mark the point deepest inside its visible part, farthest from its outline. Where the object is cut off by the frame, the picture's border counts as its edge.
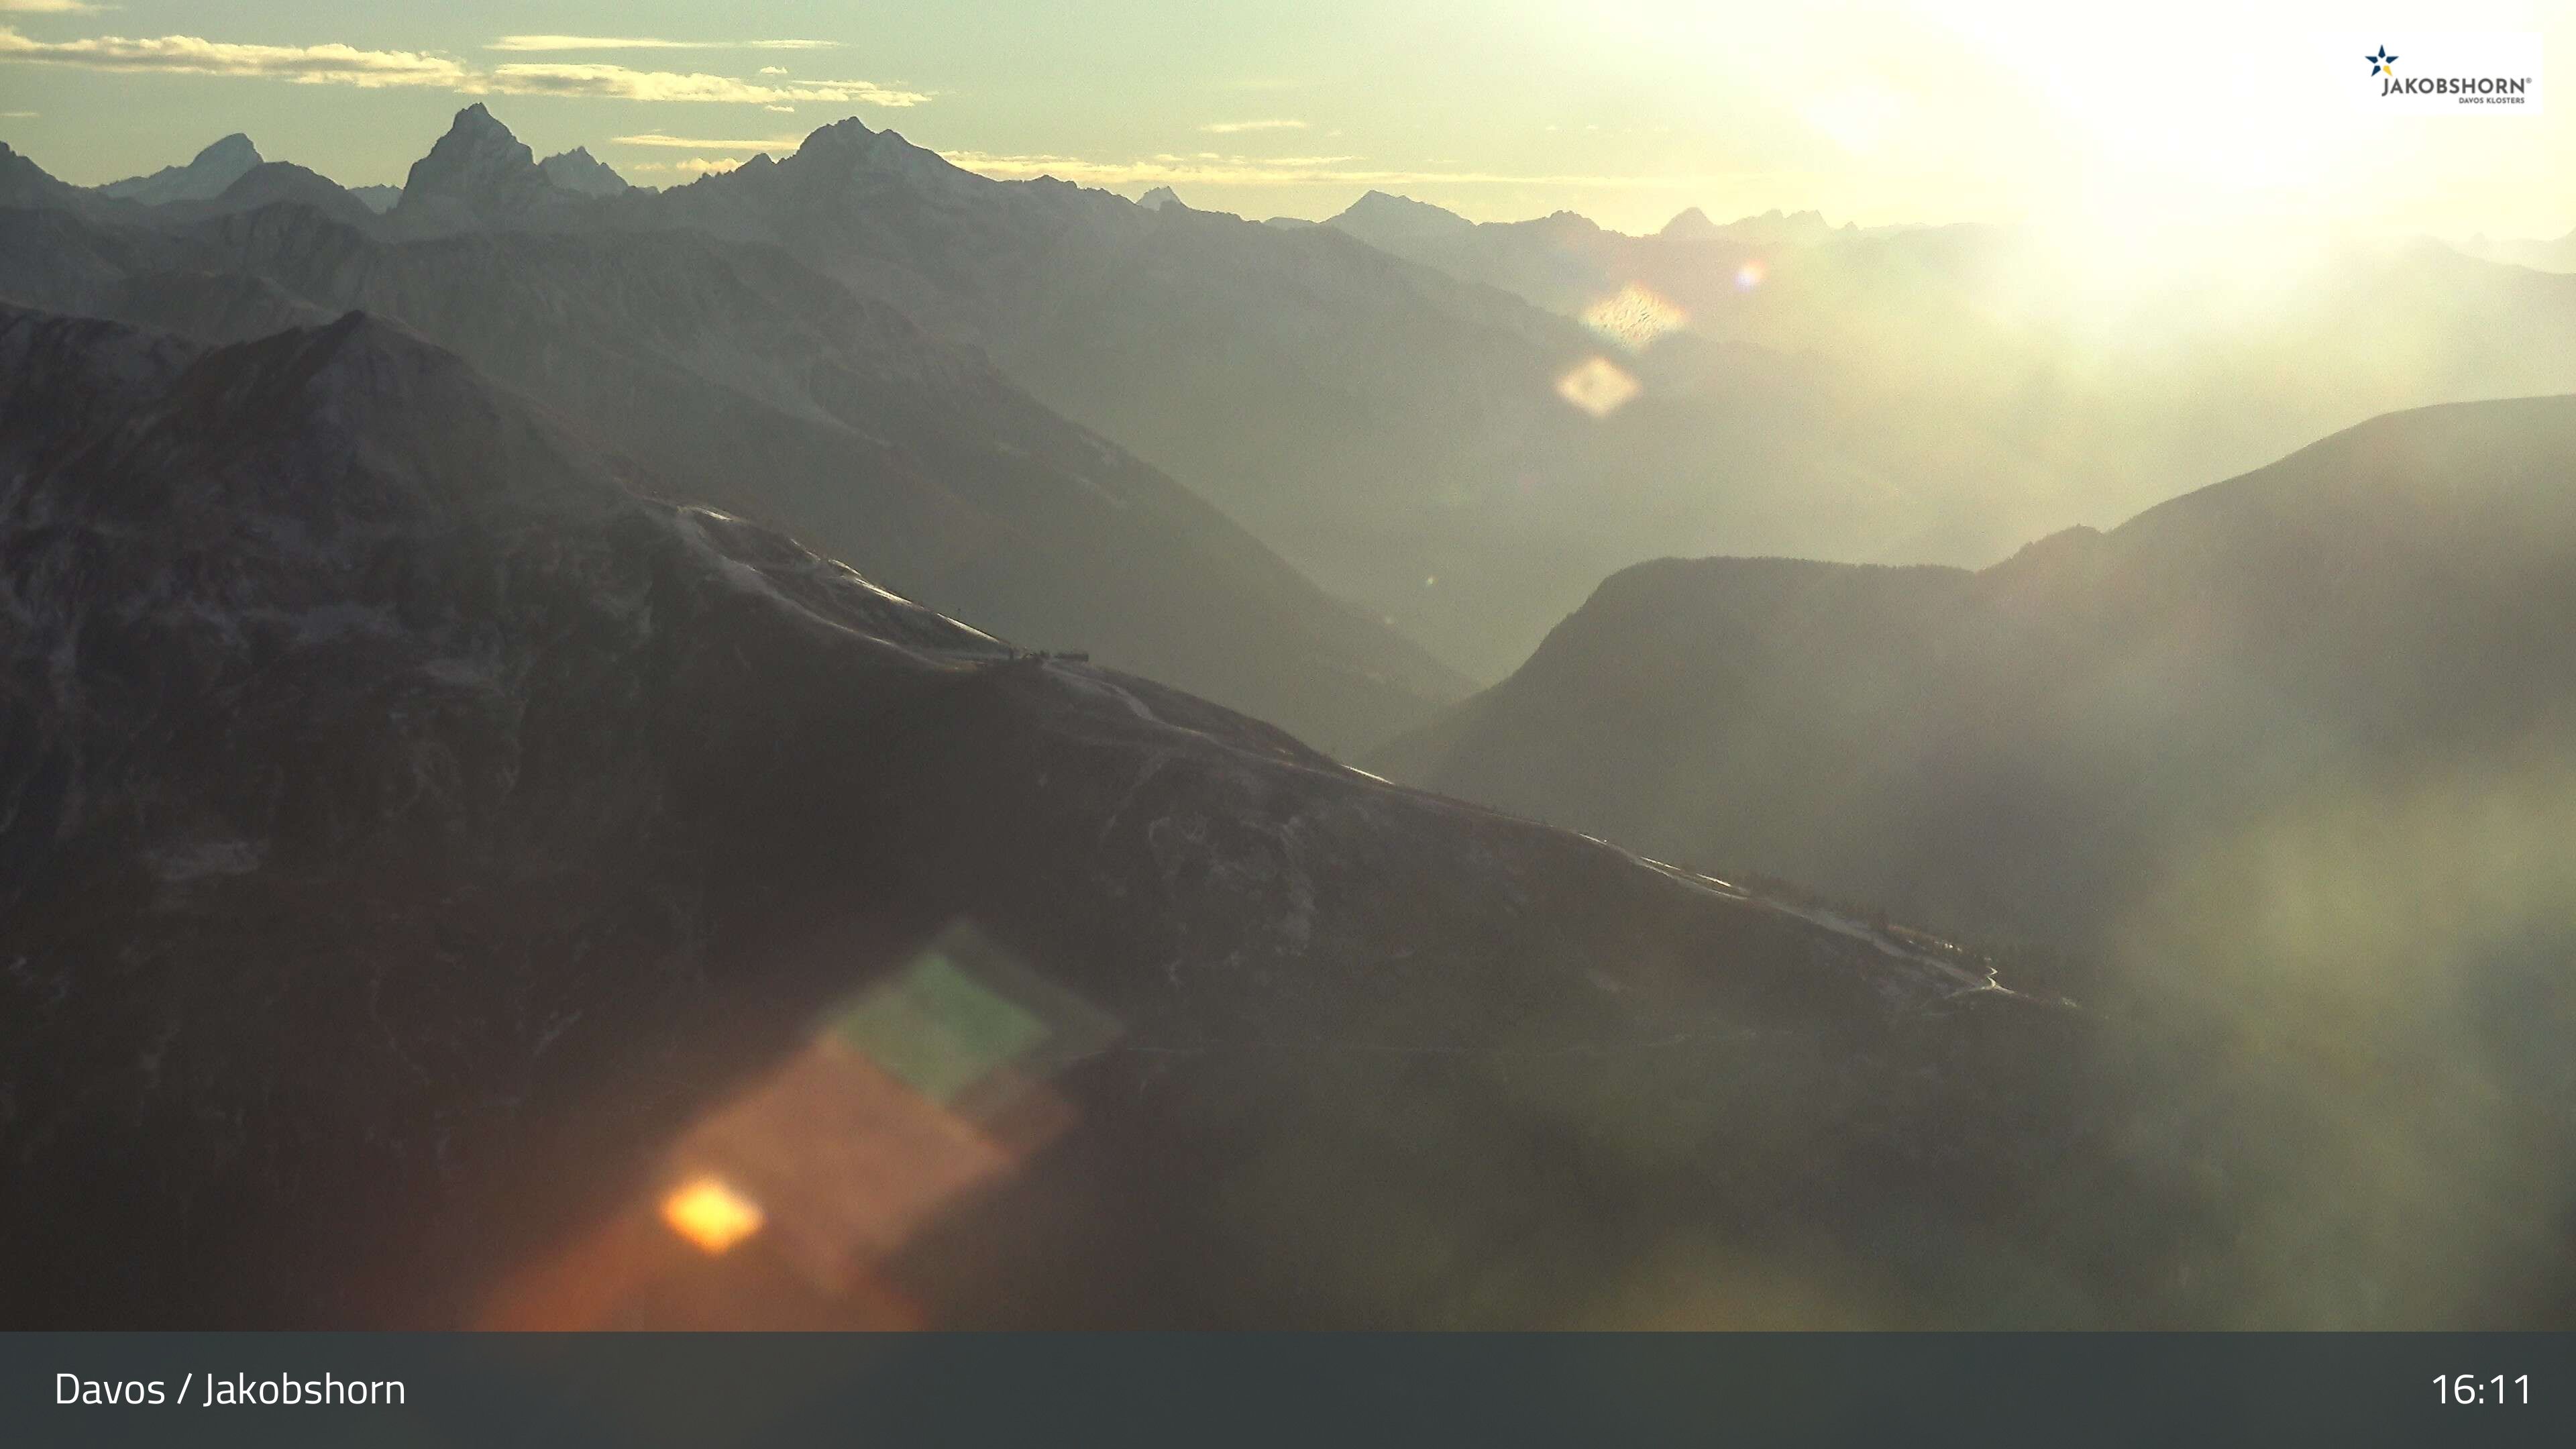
(1625, 110)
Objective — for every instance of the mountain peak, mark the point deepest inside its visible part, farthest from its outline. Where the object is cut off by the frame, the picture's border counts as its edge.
(1778, 228)
(1374, 200)
(1382, 216)
(477, 172)
(848, 148)
(1160, 197)
(581, 173)
(847, 131)
(475, 130)
(1691, 225)
(234, 150)
(203, 178)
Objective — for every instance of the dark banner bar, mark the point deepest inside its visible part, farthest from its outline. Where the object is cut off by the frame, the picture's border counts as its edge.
(1180, 1389)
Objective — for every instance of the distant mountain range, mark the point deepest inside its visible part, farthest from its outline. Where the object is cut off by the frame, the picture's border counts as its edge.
(754, 383)
(1399, 419)
(2557, 254)
(1398, 436)
(1567, 263)
(408, 823)
(2021, 382)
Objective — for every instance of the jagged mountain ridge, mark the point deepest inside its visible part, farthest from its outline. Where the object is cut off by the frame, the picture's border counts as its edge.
(409, 822)
(578, 171)
(1378, 423)
(477, 175)
(1894, 395)
(761, 387)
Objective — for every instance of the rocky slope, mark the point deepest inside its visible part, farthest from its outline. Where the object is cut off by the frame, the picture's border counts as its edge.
(408, 824)
(1399, 436)
(758, 385)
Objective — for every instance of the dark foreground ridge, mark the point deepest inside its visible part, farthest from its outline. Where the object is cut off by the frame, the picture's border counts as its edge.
(407, 825)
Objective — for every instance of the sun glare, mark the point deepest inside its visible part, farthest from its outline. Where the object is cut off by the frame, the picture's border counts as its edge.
(1634, 317)
(711, 1214)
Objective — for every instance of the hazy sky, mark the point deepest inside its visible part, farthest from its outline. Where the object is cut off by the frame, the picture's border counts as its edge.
(1627, 110)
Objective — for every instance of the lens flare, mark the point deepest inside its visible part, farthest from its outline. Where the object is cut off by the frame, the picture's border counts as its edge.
(1748, 276)
(710, 1214)
(1599, 387)
(1633, 318)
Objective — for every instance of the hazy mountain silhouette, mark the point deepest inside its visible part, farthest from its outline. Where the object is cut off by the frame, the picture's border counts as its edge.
(2558, 254)
(202, 179)
(756, 385)
(1565, 262)
(1395, 428)
(24, 183)
(577, 170)
(1690, 225)
(2037, 748)
(2276, 775)
(409, 823)
(226, 177)
(477, 176)
(1379, 424)
(2014, 389)
(267, 185)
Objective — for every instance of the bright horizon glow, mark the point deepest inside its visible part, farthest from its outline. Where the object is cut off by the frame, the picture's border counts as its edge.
(1629, 111)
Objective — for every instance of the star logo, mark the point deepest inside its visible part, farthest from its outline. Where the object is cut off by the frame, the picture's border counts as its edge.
(2382, 63)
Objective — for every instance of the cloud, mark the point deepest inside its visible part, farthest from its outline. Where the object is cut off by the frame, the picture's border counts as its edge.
(50, 7)
(773, 70)
(694, 166)
(335, 64)
(619, 83)
(187, 55)
(1228, 128)
(642, 42)
(691, 143)
(17, 115)
(1212, 170)
(788, 110)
